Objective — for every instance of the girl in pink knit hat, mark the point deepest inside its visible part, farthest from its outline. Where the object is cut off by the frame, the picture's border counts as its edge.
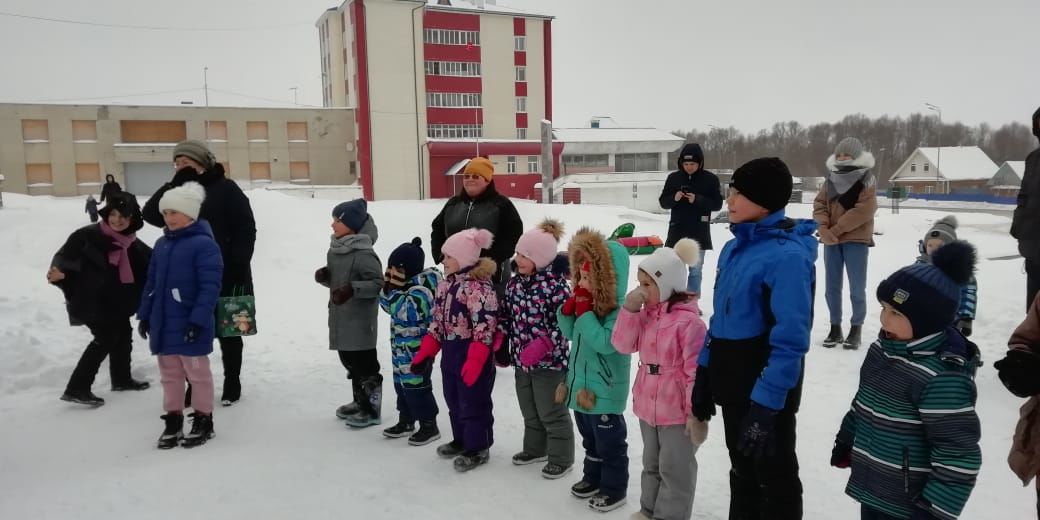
(465, 312)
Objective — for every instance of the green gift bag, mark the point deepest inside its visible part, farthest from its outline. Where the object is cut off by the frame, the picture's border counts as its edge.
(236, 315)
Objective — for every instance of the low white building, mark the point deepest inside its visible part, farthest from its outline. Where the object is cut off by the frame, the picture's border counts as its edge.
(950, 169)
(606, 148)
(1008, 179)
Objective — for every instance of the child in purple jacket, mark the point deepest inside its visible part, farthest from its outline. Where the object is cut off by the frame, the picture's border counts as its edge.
(465, 313)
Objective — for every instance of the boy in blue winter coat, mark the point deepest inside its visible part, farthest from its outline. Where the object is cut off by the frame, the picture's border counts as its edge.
(407, 296)
(176, 313)
(752, 361)
(943, 232)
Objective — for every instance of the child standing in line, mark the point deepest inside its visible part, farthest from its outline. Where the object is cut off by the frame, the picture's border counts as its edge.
(92, 208)
(177, 313)
(407, 296)
(943, 232)
(538, 349)
(661, 321)
(354, 277)
(912, 435)
(465, 313)
(598, 375)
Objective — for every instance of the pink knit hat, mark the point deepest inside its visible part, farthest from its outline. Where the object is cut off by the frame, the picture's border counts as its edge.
(541, 243)
(465, 246)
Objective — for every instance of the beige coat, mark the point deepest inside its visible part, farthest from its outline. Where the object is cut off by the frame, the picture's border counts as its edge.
(856, 224)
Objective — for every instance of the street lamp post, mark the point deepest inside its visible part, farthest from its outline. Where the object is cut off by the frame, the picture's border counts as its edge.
(938, 155)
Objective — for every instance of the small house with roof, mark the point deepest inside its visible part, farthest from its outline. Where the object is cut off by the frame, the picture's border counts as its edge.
(1008, 179)
(946, 170)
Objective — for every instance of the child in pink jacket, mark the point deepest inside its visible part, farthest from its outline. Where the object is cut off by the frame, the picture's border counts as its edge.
(661, 321)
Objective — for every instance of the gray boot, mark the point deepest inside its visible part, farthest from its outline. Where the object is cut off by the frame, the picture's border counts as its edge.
(370, 404)
(834, 338)
(852, 342)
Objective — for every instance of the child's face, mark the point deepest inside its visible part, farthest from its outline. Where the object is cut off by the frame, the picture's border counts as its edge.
(583, 282)
(117, 221)
(743, 210)
(175, 219)
(451, 265)
(339, 229)
(895, 323)
(843, 157)
(524, 265)
(931, 245)
(650, 289)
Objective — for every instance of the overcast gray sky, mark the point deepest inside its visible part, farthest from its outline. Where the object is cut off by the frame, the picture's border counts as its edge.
(666, 63)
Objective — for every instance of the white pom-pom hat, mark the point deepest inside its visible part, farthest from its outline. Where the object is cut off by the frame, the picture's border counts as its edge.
(186, 199)
(466, 245)
(669, 267)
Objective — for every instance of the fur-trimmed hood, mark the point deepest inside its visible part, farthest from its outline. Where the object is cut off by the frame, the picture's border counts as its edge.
(608, 271)
(864, 162)
(483, 271)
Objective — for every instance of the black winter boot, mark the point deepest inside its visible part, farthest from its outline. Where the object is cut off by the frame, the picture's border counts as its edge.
(450, 450)
(403, 428)
(352, 407)
(232, 391)
(853, 341)
(471, 459)
(82, 397)
(174, 431)
(201, 430)
(370, 404)
(427, 433)
(834, 338)
(131, 385)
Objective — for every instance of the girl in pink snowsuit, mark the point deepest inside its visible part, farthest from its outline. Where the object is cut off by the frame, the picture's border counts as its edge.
(662, 322)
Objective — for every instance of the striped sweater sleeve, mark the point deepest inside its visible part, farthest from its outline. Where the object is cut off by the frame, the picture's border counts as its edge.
(969, 300)
(947, 407)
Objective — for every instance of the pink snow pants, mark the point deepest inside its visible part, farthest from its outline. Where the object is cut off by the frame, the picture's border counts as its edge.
(173, 370)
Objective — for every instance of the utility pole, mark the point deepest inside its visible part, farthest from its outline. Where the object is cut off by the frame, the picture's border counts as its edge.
(938, 154)
(205, 88)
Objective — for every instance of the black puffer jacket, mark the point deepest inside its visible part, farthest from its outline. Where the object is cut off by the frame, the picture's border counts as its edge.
(491, 211)
(691, 219)
(93, 292)
(229, 213)
(1025, 226)
(110, 188)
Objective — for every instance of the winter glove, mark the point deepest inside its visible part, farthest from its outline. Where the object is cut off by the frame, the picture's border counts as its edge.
(184, 175)
(535, 351)
(1020, 372)
(634, 300)
(191, 333)
(568, 306)
(756, 438)
(322, 275)
(582, 301)
(702, 400)
(964, 325)
(428, 349)
(341, 295)
(696, 430)
(841, 455)
(476, 358)
(502, 357)
(142, 329)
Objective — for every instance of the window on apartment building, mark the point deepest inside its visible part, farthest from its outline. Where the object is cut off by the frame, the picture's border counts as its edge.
(520, 43)
(452, 100)
(256, 131)
(511, 164)
(299, 170)
(88, 173)
(532, 163)
(521, 105)
(439, 131)
(453, 68)
(521, 73)
(260, 171)
(637, 162)
(35, 131)
(297, 132)
(153, 131)
(913, 167)
(84, 131)
(451, 37)
(38, 173)
(586, 161)
(521, 133)
(216, 131)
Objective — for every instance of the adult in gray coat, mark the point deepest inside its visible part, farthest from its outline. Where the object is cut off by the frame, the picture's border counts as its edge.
(354, 276)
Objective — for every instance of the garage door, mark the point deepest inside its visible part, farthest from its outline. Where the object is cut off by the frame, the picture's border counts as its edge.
(145, 178)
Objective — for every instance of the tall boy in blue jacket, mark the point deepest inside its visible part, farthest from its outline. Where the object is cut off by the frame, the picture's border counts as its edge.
(752, 361)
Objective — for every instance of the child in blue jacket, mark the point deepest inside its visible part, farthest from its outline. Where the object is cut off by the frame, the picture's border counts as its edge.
(176, 313)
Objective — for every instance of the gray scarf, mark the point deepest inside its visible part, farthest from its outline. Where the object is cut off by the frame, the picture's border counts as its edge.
(350, 243)
(843, 175)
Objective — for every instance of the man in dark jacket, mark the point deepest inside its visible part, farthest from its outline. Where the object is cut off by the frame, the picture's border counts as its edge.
(110, 188)
(1026, 224)
(691, 193)
(480, 205)
(230, 215)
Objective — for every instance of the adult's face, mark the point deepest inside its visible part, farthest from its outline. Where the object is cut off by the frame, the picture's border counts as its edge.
(690, 167)
(182, 161)
(474, 184)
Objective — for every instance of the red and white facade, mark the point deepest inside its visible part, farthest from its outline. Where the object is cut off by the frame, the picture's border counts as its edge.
(437, 82)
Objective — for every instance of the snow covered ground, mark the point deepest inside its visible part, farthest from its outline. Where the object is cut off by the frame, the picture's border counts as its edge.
(281, 453)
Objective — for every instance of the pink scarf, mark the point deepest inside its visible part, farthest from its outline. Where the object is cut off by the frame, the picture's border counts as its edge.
(119, 257)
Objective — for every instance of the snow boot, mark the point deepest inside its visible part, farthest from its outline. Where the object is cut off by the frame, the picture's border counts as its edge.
(427, 433)
(450, 450)
(232, 391)
(834, 338)
(471, 459)
(174, 431)
(554, 471)
(605, 504)
(403, 428)
(82, 397)
(131, 385)
(201, 430)
(352, 407)
(523, 458)
(584, 489)
(853, 341)
(370, 403)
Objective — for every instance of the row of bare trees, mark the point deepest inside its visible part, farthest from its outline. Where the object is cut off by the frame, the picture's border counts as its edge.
(891, 139)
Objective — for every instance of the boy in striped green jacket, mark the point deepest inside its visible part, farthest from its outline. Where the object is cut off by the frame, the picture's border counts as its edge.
(912, 435)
